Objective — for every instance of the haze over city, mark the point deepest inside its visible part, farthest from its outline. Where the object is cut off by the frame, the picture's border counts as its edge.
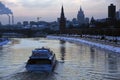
(49, 10)
(59, 39)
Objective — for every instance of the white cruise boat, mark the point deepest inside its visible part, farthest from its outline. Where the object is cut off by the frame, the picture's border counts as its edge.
(42, 59)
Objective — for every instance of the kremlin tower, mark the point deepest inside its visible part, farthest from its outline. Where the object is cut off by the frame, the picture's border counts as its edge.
(62, 22)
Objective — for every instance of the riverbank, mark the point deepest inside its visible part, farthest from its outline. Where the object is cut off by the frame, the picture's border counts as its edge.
(3, 42)
(88, 42)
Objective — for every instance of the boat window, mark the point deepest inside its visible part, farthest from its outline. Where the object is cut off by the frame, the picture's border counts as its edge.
(42, 54)
(39, 61)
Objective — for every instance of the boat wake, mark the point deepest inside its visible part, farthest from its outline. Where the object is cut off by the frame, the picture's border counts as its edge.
(10, 72)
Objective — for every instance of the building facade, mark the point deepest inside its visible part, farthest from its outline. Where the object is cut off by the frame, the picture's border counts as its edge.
(81, 17)
(119, 13)
(112, 11)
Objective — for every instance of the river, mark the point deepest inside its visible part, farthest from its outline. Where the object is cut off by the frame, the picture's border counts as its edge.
(75, 61)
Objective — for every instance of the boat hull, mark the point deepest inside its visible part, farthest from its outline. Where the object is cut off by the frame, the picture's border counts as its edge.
(40, 68)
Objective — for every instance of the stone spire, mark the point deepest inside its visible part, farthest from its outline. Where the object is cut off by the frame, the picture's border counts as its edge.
(81, 8)
(62, 20)
(62, 12)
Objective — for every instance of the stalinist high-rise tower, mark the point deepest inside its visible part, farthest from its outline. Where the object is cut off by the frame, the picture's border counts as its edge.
(81, 17)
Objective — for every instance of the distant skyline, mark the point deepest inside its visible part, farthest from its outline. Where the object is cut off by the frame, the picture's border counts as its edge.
(49, 10)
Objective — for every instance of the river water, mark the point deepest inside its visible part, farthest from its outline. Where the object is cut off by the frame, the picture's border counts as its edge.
(75, 61)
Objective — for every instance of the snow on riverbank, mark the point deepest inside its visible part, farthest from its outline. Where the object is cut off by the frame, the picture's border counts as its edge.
(4, 42)
(108, 47)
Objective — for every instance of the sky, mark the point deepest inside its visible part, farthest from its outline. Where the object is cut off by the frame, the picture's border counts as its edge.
(49, 10)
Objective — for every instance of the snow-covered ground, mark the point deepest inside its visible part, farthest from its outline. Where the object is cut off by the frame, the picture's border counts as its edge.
(108, 47)
(4, 42)
(99, 37)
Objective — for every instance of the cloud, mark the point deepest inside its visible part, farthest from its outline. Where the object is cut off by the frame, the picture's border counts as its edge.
(116, 2)
(36, 3)
(10, 3)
